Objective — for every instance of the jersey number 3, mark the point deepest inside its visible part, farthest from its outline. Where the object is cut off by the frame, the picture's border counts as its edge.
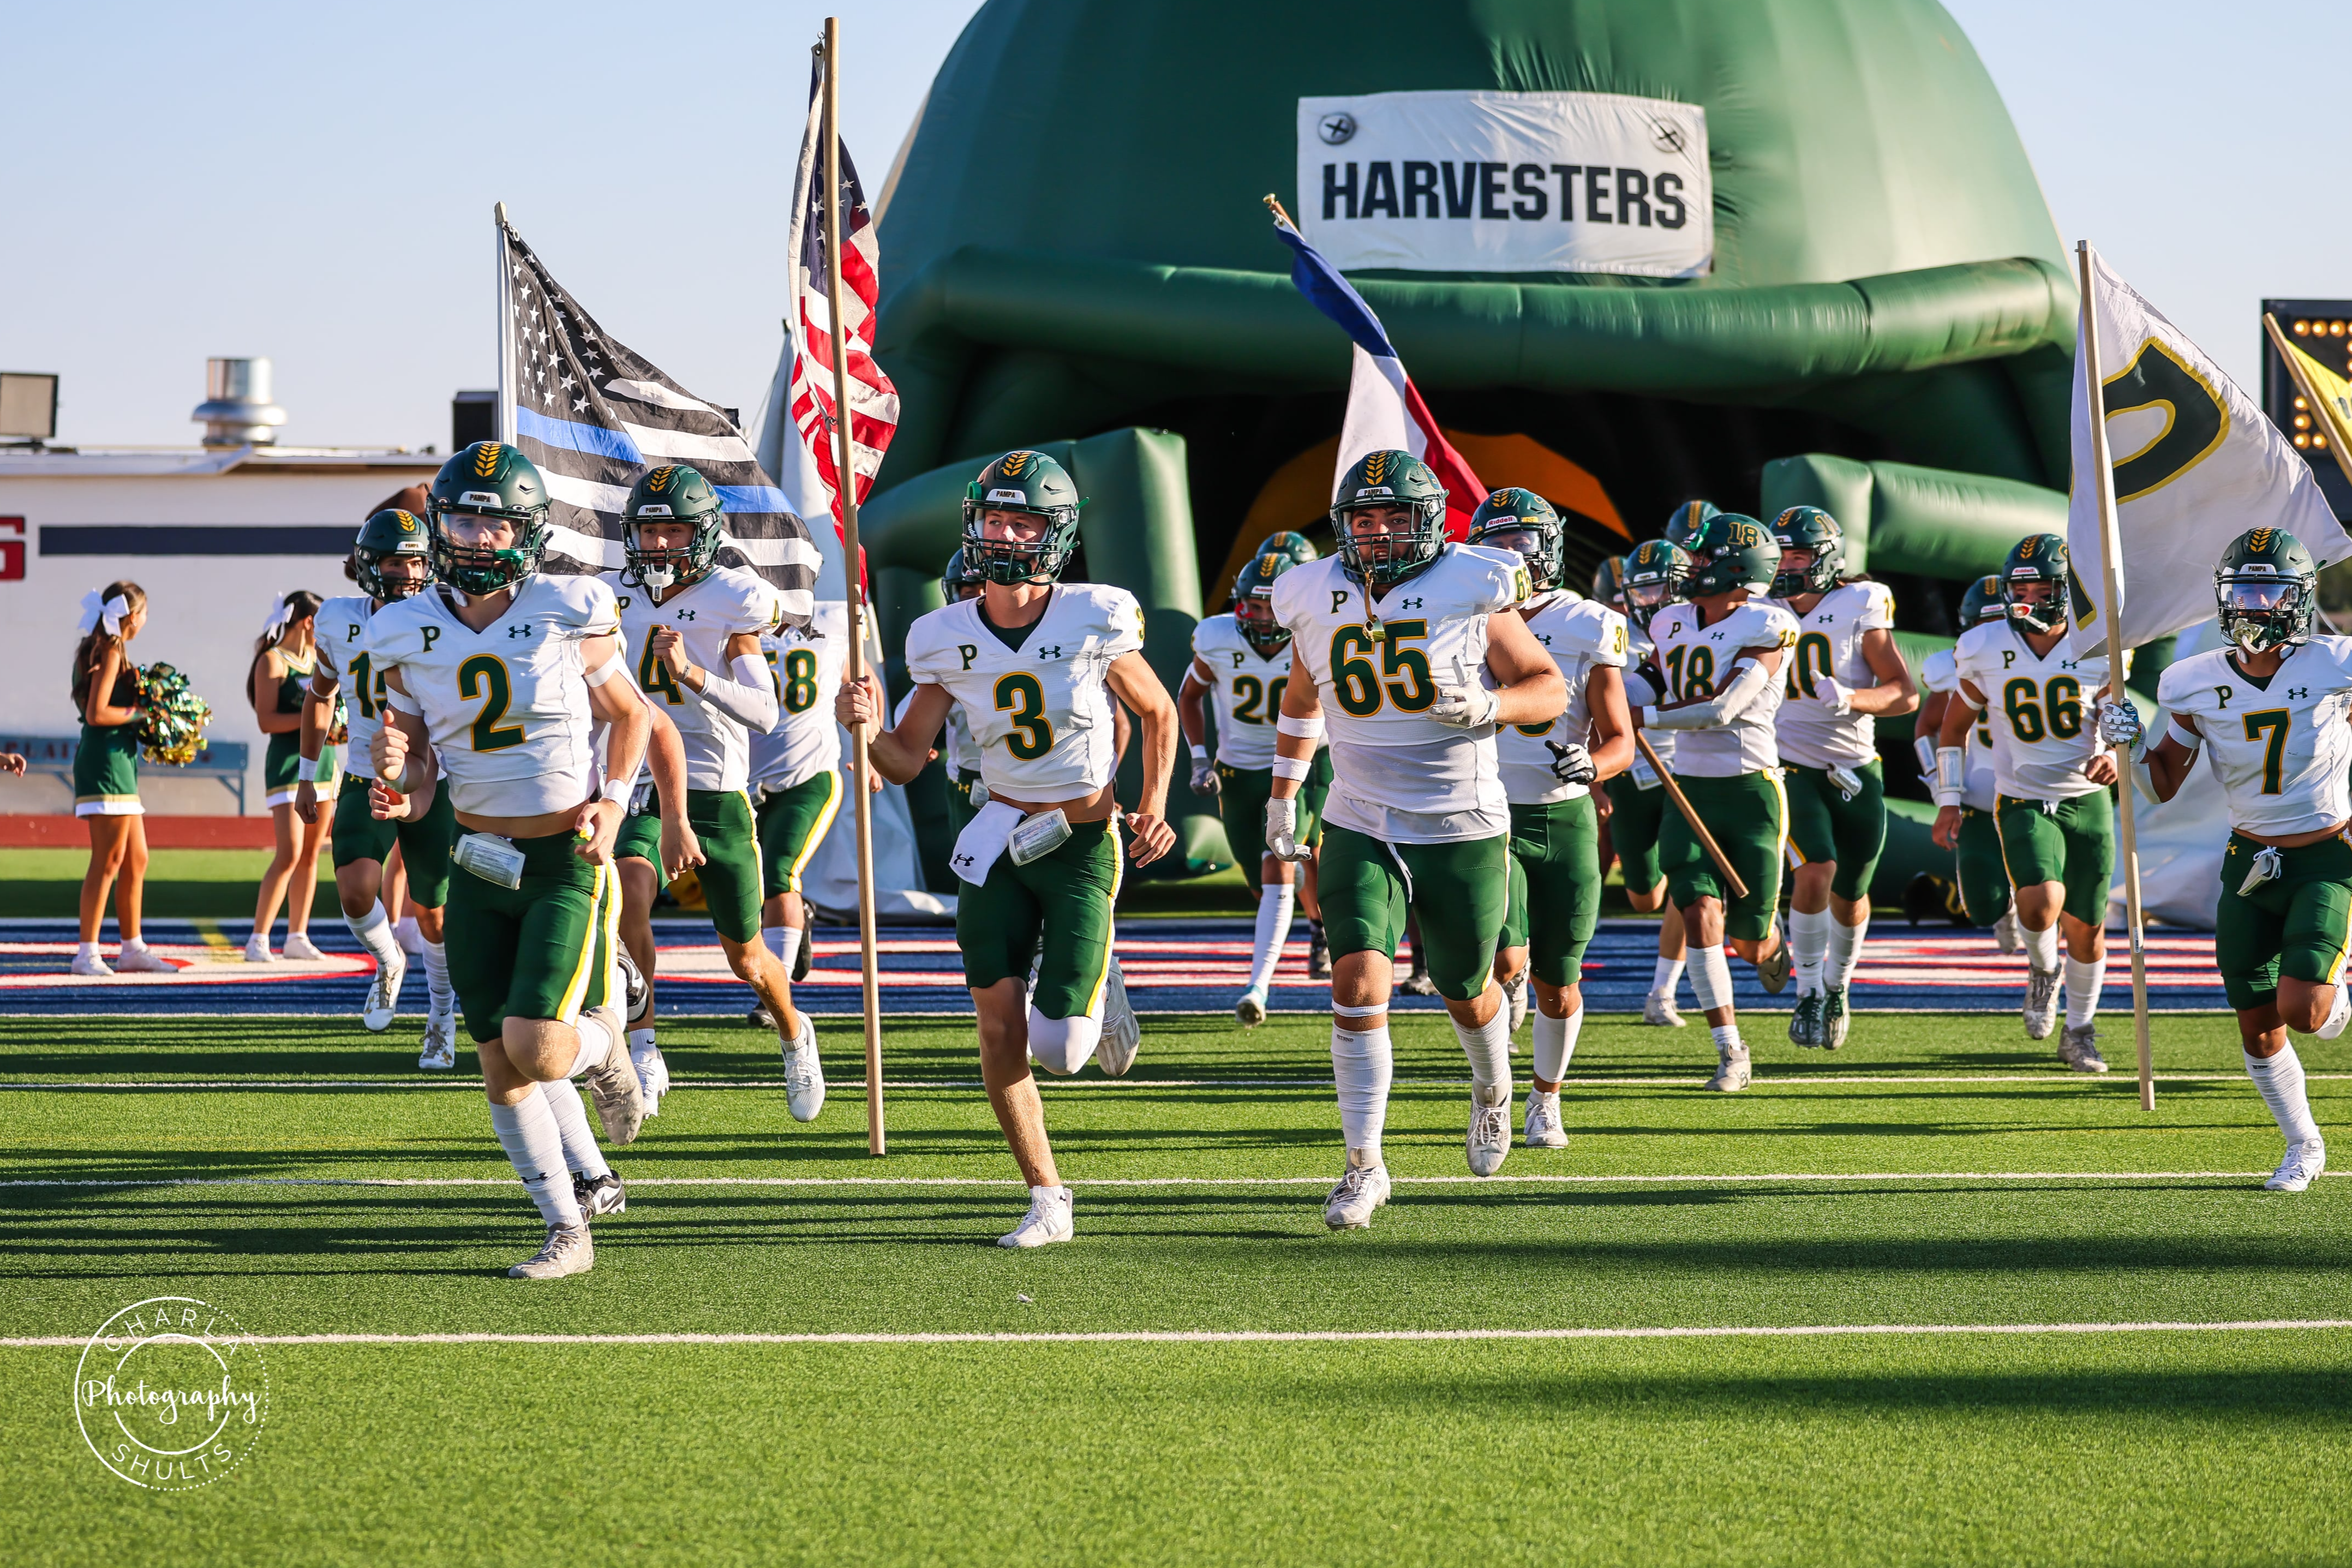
(484, 677)
(1024, 699)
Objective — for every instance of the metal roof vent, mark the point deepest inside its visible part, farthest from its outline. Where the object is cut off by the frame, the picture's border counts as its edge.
(236, 410)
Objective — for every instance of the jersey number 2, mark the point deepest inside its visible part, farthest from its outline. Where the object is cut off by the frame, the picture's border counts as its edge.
(484, 676)
(1024, 699)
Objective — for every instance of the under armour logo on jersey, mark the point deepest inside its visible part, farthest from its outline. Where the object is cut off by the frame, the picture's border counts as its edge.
(521, 631)
(684, 614)
(2066, 664)
(1714, 637)
(1408, 604)
(1054, 652)
(1826, 618)
(2297, 693)
(1544, 638)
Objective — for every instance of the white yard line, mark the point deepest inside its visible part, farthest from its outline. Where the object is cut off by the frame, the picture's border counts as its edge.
(1532, 1178)
(1273, 1336)
(850, 1085)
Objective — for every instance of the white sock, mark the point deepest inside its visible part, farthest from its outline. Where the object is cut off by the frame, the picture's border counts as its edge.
(784, 942)
(579, 1150)
(134, 944)
(372, 931)
(439, 997)
(534, 1147)
(2280, 1079)
(1488, 1046)
(1361, 1065)
(1710, 977)
(2339, 1010)
(1846, 952)
(641, 1045)
(2041, 946)
(1273, 907)
(2082, 984)
(596, 1042)
(1727, 1039)
(1063, 1045)
(1809, 939)
(89, 950)
(1666, 976)
(1556, 1044)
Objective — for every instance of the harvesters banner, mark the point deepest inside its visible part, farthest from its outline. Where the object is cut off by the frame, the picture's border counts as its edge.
(2195, 464)
(1506, 182)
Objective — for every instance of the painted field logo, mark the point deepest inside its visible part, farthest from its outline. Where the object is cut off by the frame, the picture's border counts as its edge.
(171, 1394)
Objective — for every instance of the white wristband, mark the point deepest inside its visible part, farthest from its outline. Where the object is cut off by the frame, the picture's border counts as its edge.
(617, 791)
(607, 670)
(1951, 775)
(1200, 754)
(2186, 736)
(1650, 716)
(1299, 729)
(1292, 767)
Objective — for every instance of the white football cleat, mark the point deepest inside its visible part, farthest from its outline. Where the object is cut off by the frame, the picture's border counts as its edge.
(300, 948)
(440, 1048)
(2004, 931)
(803, 1074)
(1122, 1037)
(1488, 1140)
(2041, 1001)
(92, 965)
(1250, 1011)
(383, 1001)
(1515, 993)
(1544, 1131)
(1732, 1073)
(600, 1197)
(1047, 1221)
(1364, 1189)
(1658, 1007)
(257, 948)
(2303, 1161)
(145, 960)
(613, 1084)
(568, 1251)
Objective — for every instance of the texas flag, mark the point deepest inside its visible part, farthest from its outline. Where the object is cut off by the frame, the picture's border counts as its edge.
(1385, 412)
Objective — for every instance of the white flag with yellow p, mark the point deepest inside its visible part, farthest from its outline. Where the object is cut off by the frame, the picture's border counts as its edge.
(2195, 463)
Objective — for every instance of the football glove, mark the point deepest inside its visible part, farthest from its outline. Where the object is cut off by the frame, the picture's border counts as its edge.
(1204, 776)
(2119, 724)
(1282, 831)
(1470, 707)
(1571, 765)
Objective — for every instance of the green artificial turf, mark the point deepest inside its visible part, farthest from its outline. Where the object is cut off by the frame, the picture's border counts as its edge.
(2173, 1447)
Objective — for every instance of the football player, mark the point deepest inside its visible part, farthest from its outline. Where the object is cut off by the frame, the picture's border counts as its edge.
(796, 777)
(1637, 797)
(2051, 807)
(391, 560)
(692, 628)
(493, 680)
(1844, 674)
(1394, 640)
(1549, 770)
(1243, 657)
(2270, 709)
(1983, 879)
(1722, 655)
(1035, 664)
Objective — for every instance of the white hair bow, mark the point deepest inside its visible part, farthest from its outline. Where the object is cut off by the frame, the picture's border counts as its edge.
(97, 610)
(279, 614)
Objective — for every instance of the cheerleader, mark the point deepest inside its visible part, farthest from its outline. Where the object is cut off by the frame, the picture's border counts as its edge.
(283, 659)
(105, 776)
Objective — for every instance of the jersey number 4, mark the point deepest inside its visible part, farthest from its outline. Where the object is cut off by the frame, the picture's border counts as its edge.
(484, 678)
(1359, 689)
(1032, 733)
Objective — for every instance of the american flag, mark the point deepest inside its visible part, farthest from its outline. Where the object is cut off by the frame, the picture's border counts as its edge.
(593, 415)
(872, 401)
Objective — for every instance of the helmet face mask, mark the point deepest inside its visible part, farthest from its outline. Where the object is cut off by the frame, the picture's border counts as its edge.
(1390, 516)
(1656, 575)
(2267, 590)
(680, 503)
(1524, 523)
(1254, 599)
(2035, 581)
(1812, 553)
(487, 484)
(1020, 520)
(392, 535)
(958, 580)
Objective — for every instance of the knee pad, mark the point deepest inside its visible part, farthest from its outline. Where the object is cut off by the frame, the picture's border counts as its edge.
(1063, 1045)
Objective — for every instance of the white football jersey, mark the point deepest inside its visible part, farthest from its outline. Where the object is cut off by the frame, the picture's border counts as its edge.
(344, 658)
(2281, 747)
(1941, 673)
(1397, 774)
(706, 613)
(807, 663)
(1579, 634)
(1039, 712)
(2044, 710)
(1697, 659)
(1661, 741)
(1248, 688)
(1828, 643)
(507, 707)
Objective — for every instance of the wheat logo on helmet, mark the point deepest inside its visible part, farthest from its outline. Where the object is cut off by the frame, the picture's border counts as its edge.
(687, 499)
(2267, 590)
(1390, 516)
(488, 479)
(1254, 603)
(390, 534)
(1657, 574)
(2035, 581)
(1813, 551)
(1021, 519)
(1525, 524)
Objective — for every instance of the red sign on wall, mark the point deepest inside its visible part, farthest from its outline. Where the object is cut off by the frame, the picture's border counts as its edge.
(11, 551)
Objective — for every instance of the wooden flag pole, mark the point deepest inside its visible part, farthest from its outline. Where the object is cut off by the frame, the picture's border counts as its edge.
(1682, 803)
(2310, 393)
(2103, 482)
(877, 1141)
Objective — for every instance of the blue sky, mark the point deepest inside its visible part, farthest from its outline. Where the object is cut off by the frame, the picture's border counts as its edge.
(314, 183)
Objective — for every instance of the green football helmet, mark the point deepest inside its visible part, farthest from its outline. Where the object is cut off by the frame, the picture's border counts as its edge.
(1022, 481)
(1254, 603)
(1523, 521)
(489, 479)
(956, 577)
(1688, 521)
(2267, 588)
(1809, 528)
(1656, 573)
(1981, 602)
(391, 532)
(1741, 554)
(2037, 559)
(1609, 582)
(1294, 546)
(1389, 478)
(670, 494)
